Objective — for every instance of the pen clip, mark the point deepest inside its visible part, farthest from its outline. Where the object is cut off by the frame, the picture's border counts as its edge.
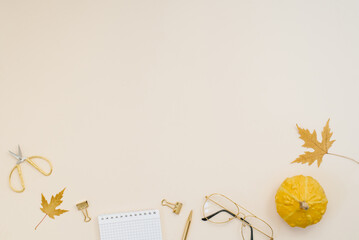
(188, 224)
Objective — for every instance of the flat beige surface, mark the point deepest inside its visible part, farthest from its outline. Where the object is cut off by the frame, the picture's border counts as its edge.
(135, 101)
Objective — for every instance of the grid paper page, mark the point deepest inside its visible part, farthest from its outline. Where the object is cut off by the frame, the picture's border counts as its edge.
(141, 225)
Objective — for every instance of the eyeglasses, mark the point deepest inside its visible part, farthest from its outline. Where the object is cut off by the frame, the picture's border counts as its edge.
(220, 209)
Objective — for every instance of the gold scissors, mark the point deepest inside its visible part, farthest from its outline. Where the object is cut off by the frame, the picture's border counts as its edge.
(21, 159)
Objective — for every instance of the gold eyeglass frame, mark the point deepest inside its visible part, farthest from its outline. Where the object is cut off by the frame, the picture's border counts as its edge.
(240, 215)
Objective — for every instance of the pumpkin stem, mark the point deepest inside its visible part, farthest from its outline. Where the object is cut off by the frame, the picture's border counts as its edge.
(304, 205)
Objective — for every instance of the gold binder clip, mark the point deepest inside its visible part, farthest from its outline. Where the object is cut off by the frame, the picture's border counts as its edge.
(83, 207)
(175, 206)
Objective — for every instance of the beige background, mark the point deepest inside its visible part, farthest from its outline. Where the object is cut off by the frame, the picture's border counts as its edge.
(134, 101)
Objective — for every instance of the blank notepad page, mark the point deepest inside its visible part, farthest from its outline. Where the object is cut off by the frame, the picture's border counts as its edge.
(141, 225)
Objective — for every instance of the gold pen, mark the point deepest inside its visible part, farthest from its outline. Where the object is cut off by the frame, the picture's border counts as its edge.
(186, 228)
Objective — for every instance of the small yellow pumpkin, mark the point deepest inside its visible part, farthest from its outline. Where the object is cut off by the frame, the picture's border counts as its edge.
(301, 201)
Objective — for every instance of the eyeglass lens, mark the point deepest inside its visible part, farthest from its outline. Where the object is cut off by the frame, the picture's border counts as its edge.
(260, 229)
(219, 209)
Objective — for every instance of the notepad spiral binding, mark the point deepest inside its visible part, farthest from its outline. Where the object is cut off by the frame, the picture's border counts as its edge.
(127, 215)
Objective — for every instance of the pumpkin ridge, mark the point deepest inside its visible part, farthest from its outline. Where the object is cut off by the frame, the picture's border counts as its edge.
(288, 193)
(306, 190)
(319, 202)
(289, 215)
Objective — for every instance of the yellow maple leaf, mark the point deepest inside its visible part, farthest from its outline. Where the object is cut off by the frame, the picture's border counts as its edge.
(311, 141)
(50, 208)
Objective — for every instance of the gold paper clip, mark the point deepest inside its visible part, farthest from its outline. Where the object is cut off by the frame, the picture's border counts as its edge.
(175, 206)
(83, 207)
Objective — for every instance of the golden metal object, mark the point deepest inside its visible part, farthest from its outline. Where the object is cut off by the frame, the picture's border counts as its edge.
(83, 207)
(242, 216)
(188, 224)
(175, 206)
(20, 160)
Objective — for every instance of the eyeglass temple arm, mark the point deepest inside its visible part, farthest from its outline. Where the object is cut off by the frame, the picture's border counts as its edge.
(214, 214)
(233, 215)
(224, 210)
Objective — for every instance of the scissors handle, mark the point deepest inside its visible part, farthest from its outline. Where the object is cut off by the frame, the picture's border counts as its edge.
(29, 160)
(18, 167)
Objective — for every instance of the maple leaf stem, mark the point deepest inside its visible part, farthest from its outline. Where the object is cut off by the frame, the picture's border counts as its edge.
(41, 221)
(344, 157)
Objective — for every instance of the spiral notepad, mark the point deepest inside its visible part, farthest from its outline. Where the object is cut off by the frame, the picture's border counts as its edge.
(141, 225)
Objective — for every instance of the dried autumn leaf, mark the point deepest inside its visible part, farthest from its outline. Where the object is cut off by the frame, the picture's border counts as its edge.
(311, 141)
(50, 208)
(320, 148)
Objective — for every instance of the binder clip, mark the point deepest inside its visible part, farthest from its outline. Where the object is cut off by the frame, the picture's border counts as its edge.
(83, 207)
(175, 206)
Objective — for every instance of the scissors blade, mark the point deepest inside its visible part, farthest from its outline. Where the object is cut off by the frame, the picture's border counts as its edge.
(19, 150)
(15, 155)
